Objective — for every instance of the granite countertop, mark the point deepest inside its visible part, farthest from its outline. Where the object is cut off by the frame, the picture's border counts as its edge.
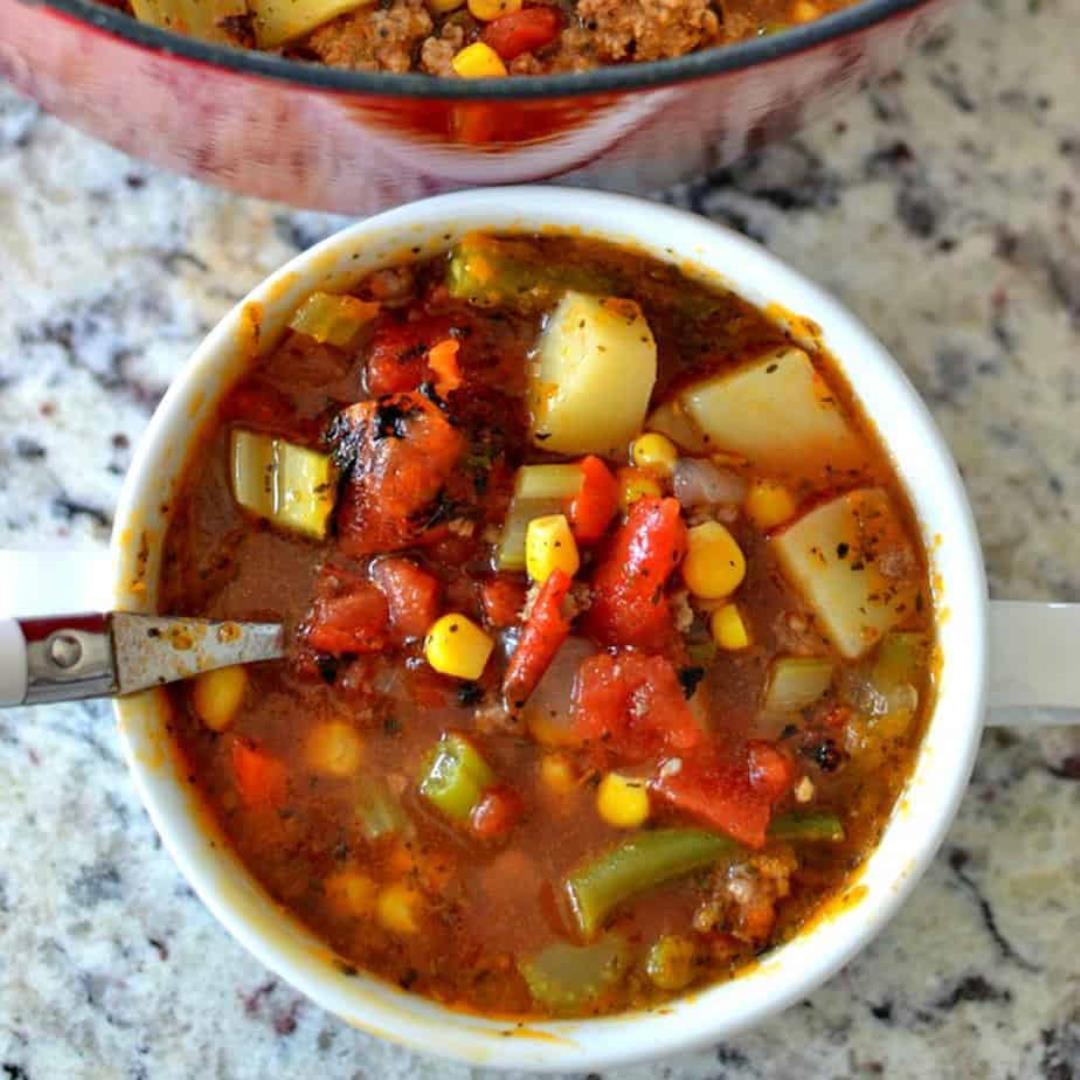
(940, 205)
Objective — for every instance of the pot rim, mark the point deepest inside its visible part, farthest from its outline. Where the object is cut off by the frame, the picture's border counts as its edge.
(642, 76)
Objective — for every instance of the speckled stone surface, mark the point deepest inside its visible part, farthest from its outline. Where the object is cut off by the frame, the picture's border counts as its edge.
(940, 205)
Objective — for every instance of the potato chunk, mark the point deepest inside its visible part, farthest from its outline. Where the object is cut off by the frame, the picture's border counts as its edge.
(854, 565)
(777, 411)
(593, 376)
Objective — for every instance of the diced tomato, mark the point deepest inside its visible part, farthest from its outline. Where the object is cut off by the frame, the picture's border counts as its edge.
(397, 358)
(543, 633)
(400, 452)
(591, 510)
(522, 31)
(629, 606)
(733, 788)
(412, 594)
(261, 779)
(497, 812)
(631, 708)
(502, 599)
(350, 615)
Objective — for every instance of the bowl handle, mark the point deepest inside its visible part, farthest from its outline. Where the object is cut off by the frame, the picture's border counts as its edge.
(1034, 664)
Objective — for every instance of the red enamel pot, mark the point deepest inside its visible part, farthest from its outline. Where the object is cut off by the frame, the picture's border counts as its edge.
(358, 141)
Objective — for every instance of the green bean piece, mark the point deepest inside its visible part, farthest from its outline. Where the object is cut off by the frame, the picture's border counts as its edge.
(637, 864)
(455, 777)
(821, 826)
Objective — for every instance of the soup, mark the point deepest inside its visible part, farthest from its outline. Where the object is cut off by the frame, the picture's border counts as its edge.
(477, 38)
(610, 628)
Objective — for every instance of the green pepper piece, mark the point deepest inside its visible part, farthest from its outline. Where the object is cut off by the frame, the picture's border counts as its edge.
(492, 272)
(564, 977)
(455, 777)
(807, 826)
(637, 864)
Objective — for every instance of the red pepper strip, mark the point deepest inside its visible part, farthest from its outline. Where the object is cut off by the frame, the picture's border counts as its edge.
(629, 606)
(522, 31)
(541, 636)
(592, 508)
(733, 789)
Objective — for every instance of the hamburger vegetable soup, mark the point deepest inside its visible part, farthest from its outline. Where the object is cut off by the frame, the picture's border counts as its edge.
(610, 627)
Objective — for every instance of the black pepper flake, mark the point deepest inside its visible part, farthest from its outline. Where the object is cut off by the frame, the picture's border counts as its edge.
(689, 678)
(470, 693)
(408, 979)
(826, 755)
(788, 731)
(392, 421)
(771, 368)
(391, 726)
(328, 668)
(841, 550)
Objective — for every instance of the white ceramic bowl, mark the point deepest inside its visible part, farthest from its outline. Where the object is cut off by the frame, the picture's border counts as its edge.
(922, 814)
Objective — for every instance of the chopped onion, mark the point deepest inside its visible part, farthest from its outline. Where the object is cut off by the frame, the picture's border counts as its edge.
(698, 482)
(549, 710)
(796, 682)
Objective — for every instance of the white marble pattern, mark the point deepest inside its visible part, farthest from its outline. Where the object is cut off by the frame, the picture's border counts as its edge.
(940, 205)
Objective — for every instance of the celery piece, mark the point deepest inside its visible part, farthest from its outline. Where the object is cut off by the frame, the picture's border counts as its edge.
(332, 319)
(207, 20)
(280, 21)
(637, 864)
(547, 482)
(796, 682)
(821, 826)
(539, 490)
(380, 811)
(291, 486)
(494, 271)
(563, 977)
(455, 777)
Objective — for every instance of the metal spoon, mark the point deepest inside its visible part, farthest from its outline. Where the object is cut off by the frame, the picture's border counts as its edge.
(70, 657)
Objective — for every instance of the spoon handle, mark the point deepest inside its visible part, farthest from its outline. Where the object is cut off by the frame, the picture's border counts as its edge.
(1034, 664)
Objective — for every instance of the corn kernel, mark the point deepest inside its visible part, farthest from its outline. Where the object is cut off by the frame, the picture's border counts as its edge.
(444, 7)
(334, 748)
(635, 484)
(486, 10)
(351, 893)
(622, 802)
(728, 628)
(218, 695)
(456, 646)
(557, 774)
(655, 453)
(769, 504)
(714, 565)
(396, 909)
(550, 545)
(478, 61)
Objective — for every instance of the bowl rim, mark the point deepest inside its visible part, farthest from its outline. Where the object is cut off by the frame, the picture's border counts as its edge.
(647, 75)
(914, 831)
